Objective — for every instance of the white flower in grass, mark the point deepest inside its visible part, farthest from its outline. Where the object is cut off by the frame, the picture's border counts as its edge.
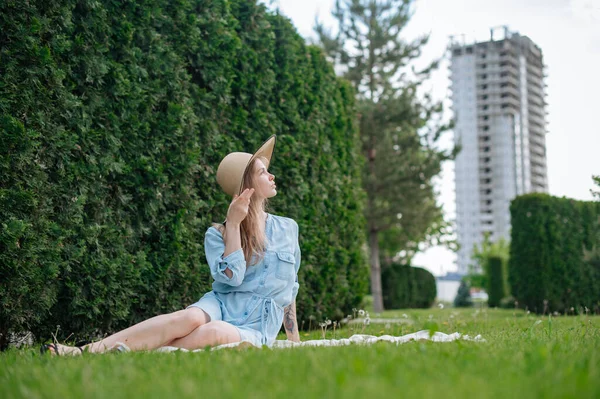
(361, 312)
(441, 305)
(405, 315)
(367, 321)
(328, 322)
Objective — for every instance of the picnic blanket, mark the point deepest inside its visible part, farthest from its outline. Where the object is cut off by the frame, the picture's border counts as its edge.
(358, 339)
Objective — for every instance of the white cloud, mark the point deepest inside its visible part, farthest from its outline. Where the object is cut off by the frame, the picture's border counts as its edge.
(587, 11)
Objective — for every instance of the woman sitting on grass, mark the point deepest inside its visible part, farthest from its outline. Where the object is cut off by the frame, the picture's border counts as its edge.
(254, 259)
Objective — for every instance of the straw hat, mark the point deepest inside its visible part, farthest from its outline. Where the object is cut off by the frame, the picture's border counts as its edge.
(233, 168)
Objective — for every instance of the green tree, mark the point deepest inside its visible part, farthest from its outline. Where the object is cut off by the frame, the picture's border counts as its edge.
(592, 256)
(463, 296)
(596, 194)
(399, 128)
(479, 270)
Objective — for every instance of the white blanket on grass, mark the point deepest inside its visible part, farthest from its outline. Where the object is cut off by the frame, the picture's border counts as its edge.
(359, 339)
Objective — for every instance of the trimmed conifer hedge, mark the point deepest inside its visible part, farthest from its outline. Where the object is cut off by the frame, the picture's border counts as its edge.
(407, 287)
(113, 118)
(549, 238)
(495, 287)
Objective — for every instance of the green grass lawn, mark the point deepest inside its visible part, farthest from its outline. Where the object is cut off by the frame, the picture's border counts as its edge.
(557, 357)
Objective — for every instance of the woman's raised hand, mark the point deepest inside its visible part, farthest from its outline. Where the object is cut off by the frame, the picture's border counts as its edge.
(238, 209)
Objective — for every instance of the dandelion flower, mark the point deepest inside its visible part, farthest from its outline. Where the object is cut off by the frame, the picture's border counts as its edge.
(441, 306)
(361, 312)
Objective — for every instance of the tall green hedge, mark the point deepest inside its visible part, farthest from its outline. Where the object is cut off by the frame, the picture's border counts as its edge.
(547, 263)
(113, 118)
(495, 289)
(407, 287)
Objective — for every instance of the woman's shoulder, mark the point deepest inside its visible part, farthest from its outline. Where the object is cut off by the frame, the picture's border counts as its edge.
(285, 221)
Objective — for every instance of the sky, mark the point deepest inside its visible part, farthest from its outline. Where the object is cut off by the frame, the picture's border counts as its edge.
(568, 33)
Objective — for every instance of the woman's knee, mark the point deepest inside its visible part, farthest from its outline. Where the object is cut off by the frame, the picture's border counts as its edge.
(190, 318)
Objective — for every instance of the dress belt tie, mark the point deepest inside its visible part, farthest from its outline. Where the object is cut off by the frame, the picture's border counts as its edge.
(268, 306)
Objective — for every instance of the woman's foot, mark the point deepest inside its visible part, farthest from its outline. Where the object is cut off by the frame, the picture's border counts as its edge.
(61, 350)
(119, 347)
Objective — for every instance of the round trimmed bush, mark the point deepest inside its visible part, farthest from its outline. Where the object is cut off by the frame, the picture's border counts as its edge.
(407, 287)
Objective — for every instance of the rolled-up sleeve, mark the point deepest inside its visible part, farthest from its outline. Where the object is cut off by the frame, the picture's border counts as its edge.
(214, 247)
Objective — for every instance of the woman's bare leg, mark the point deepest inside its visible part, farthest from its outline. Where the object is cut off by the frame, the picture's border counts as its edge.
(149, 334)
(211, 334)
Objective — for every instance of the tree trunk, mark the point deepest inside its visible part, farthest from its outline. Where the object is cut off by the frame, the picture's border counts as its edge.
(375, 272)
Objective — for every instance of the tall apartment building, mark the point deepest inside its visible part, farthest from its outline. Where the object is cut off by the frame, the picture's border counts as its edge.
(498, 99)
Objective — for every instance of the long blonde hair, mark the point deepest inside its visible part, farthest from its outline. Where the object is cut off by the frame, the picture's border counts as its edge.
(252, 233)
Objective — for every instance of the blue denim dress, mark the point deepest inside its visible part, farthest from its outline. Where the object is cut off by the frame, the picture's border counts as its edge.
(253, 299)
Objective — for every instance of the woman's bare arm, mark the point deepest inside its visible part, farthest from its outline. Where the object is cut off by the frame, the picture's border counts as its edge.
(290, 324)
(238, 209)
(233, 240)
